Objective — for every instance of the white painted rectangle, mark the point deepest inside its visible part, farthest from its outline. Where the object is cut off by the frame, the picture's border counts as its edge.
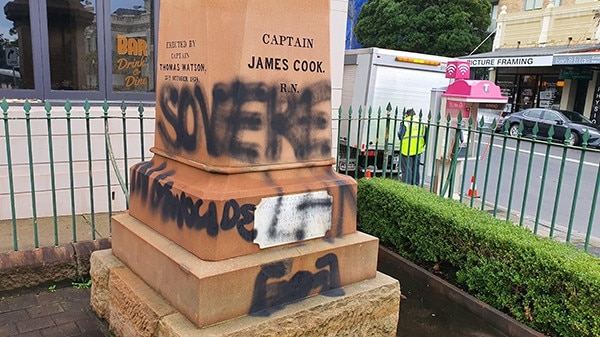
(292, 218)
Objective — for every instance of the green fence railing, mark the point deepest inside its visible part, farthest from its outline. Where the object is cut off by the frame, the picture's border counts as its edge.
(64, 170)
(63, 167)
(538, 181)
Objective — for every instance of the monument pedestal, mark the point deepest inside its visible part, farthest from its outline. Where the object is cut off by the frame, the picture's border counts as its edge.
(238, 225)
(217, 216)
(149, 286)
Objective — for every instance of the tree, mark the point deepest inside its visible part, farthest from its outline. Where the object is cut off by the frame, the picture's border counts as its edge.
(441, 27)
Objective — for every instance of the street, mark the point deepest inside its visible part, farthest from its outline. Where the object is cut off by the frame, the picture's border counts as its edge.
(556, 187)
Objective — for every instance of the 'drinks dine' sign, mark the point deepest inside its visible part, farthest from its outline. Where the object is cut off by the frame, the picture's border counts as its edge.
(132, 61)
(244, 83)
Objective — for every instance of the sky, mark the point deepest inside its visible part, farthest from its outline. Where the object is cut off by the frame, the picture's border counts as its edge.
(116, 4)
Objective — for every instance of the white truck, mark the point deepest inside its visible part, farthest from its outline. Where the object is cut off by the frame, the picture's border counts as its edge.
(379, 79)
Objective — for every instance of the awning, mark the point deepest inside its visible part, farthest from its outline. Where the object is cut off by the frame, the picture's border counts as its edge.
(533, 57)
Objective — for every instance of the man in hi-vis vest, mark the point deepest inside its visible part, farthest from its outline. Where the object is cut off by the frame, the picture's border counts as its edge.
(412, 135)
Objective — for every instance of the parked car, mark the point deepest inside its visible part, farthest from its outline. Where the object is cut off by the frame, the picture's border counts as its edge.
(560, 119)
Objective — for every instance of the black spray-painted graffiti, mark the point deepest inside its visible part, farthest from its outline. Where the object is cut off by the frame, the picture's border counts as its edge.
(347, 197)
(183, 209)
(272, 295)
(239, 110)
(307, 207)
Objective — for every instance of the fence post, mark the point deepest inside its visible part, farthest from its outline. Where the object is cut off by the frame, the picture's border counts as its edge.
(514, 171)
(358, 140)
(366, 161)
(48, 109)
(348, 141)
(125, 152)
(108, 153)
(141, 116)
(86, 108)
(576, 190)
(559, 187)
(27, 108)
(11, 185)
(71, 179)
(388, 110)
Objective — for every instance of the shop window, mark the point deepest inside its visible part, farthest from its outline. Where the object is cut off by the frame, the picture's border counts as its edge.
(527, 93)
(72, 45)
(78, 49)
(550, 92)
(16, 58)
(132, 40)
(507, 84)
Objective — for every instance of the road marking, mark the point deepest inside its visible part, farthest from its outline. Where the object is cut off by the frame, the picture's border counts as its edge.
(551, 156)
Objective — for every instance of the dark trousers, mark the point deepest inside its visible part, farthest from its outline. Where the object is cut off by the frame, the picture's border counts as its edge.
(410, 169)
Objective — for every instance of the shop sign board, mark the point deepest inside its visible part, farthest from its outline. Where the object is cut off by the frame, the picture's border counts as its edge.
(132, 61)
(595, 115)
(582, 58)
(513, 61)
(575, 74)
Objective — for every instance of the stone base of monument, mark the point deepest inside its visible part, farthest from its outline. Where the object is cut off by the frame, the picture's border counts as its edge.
(132, 308)
(147, 283)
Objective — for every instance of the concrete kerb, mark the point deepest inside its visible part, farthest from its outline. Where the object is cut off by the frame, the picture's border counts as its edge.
(31, 268)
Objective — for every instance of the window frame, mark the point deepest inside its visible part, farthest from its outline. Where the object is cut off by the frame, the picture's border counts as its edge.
(534, 113)
(41, 61)
(533, 5)
(123, 95)
(37, 91)
(552, 117)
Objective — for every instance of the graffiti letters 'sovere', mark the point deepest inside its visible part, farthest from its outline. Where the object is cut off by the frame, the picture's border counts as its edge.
(239, 108)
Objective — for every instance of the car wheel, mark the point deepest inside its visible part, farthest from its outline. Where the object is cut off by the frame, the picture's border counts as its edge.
(514, 130)
(574, 139)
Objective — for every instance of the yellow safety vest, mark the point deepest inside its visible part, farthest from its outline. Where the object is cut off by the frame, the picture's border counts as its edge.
(413, 140)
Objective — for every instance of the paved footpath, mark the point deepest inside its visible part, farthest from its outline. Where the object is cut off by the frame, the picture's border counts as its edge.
(39, 312)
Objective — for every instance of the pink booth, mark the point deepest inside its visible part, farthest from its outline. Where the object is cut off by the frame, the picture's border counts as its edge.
(478, 100)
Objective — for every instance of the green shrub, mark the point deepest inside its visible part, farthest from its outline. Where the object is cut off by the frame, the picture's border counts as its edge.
(550, 286)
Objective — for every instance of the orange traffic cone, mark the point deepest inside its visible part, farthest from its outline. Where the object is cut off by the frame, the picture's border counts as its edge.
(473, 190)
(368, 174)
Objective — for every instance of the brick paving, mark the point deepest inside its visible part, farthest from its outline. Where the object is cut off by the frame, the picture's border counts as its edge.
(39, 312)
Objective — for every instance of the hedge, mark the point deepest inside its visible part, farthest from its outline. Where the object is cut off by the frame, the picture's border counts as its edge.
(550, 286)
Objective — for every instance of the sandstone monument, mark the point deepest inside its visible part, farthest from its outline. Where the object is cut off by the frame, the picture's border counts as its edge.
(238, 225)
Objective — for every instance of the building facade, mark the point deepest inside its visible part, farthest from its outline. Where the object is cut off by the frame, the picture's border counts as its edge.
(546, 54)
(88, 49)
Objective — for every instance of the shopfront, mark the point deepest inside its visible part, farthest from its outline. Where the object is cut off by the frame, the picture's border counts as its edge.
(530, 87)
(541, 77)
(78, 49)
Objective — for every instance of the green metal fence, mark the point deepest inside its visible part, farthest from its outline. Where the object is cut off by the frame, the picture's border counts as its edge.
(547, 185)
(64, 170)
